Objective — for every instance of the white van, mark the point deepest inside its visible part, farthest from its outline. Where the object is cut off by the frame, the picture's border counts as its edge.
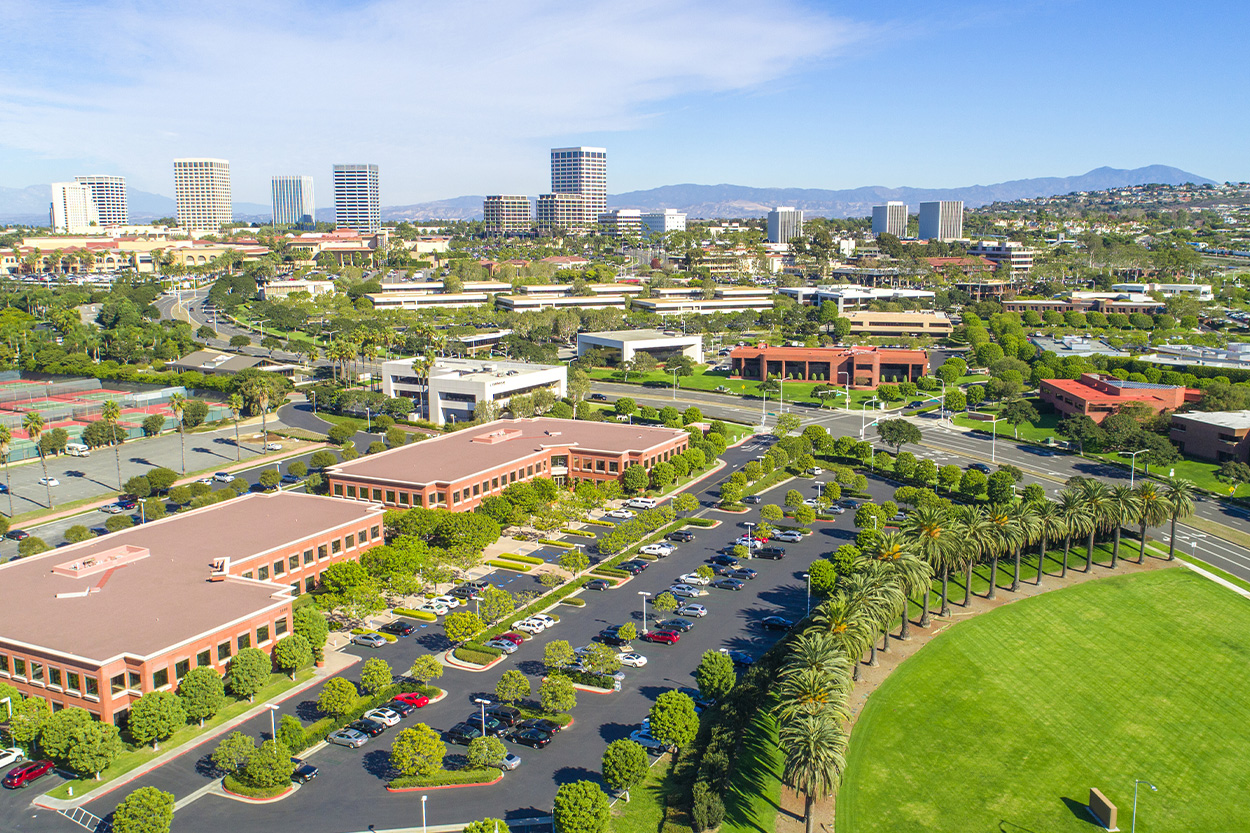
(641, 503)
(77, 450)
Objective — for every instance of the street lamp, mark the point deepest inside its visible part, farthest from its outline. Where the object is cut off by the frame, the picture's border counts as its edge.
(808, 576)
(423, 798)
(942, 410)
(273, 707)
(1137, 782)
(1133, 466)
(644, 595)
(368, 420)
(848, 387)
(863, 416)
(483, 702)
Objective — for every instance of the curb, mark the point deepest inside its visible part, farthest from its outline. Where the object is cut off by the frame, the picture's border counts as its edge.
(391, 789)
(464, 666)
(234, 796)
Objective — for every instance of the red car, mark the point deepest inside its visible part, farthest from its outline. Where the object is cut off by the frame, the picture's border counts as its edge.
(413, 698)
(666, 637)
(20, 776)
(514, 638)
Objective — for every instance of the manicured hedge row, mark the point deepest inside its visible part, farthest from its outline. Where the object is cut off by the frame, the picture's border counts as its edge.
(585, 678)
(524, 559)
(424, 616)
(575, 601)
(579, 532)
(559, 717)
(610, 571)
(445, 777)
(386, 636)
(234, 785)
(509, 565)
(558, 544)
(700, 522)
(466, 654)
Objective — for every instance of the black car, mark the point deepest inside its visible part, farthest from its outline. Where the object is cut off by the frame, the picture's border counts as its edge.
(724, 560)
(981, 467)
(493, 726)
(610, 636)
(598, 397)
(128, 503)
(398, 628)
(400, 707)
(699, 699)
(550, 727)
(530, 737)
(462, 733)
(631, 567)
(372, 728)
(17, 535)
(597, 584)
(675, 624)
(776, 623)
(635, 562)
(303, 772)
(507, 715)
(743, 573)
(681, 536)
(771, 553)
(753, 499)
(290, 479)
(728, 584)
(721, 570)
(741, 659)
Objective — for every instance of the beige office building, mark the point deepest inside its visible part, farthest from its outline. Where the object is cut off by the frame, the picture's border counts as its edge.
(202, 190)
(506, 214)
(73, 212)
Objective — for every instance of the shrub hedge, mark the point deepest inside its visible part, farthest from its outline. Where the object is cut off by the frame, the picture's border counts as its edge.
(424, 616)
(575, 601)
(236, 785)
(509, 565)
(386, 636)
(700, 522)
(610, 571)
(554, 543)
(524, 559)
(444, 777)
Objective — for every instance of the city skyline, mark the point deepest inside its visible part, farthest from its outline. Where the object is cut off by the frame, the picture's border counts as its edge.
(689, 94)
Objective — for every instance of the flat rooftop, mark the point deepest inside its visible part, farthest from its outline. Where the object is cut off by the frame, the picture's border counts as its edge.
(149, 603)
(641, 335)
(484, 369)
(1224, 419)
(452, 457)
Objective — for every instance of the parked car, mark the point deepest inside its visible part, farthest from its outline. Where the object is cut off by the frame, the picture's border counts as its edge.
(510, 762)
(514, 638)
(507, 715)
(399, 627)
(507, 646)
(753, 499)
(413, 698)
(647, 742)
(17, 535)
(698, 611)
(631, 567)
(611, 639)
(369, 640)
(728, 584)
(740, 659)
(693, 579)
(493, 726)
(303, 772)
(675, 624)
(462, 733)
(384, 716)
(112, 509)
(686, 591)
(899, 517)
(530, 626)
(790, 536)
(836, 509)
(597, 584)
(699, 700)
(548, 621)
(848, 503)
(23, 775)
(49, 481)
(128, 504)
(273, 446)
(661, 550)
(368, 726)
(400, 707)
(743, 573)
(721, 570)
(725, 560)
(620, 514)
(662, 637)
(533, 738)
(348, 737)
(635, 562)
(776, 623)
(632, 660)
(981, 467)
(432, 607)
(681, 536)
(450, 602)
(771, 553)
(223, 477)
(12, 755)
(541, 724)
(291, 479)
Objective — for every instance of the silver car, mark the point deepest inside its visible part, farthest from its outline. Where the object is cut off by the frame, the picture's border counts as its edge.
(369, 640)
(685, 591)
(510, 762)
(691, 609)
(348, 737)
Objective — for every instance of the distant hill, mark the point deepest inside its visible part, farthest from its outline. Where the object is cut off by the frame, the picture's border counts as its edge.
(30, 205)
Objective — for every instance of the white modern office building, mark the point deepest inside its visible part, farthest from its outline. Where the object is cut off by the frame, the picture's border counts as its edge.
(357, 204)
(625, 344)
(890, 218)
(850, 296)
(109, 195)
(455, 386)
(504, 214)
(621, 222)
(202, 192)
(942, 220)
(1200, 291)
(73, 211)
(582, 171)
(293, 201)
(662, 222)
(784, 224)
(1017, 256)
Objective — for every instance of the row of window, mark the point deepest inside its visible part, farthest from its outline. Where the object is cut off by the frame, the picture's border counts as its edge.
(393, 497)
(37, 673)
(296, 562)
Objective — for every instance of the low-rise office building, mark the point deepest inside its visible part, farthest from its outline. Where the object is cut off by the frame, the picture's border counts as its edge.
(277, 288)
(1017, 256)
(455, 386)
(216, 363)
(1076, 346)
(1218, 436)
(625, 344)
(457, 471)
(851, 296)
(1236, 356)
(1200, 291)
(1097, 396)
(900, 324)
(99, 624)
(861, 367)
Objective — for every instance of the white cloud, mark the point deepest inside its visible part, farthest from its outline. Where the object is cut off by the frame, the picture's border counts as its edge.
(447, 97)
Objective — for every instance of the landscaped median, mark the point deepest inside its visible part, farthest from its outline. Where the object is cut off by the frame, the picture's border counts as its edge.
(260, 795)
(446, 779)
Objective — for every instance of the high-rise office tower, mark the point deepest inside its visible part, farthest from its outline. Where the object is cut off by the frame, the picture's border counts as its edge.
(942, 220)
(73, 212)
(890, 218)
(109, 195)
(356, 202)
(202, 191)
(582, 171)
(293, 201)
(784, 224)
(567, 212)
(506, 214)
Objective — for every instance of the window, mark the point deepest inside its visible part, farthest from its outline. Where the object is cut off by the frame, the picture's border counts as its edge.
(494, 483)
(136, 682)
(455, 498)
(599, 466)
(336, 546)
(485, 486)
(1180, 426)
(295, 588)
(322, 552)
(377, 495)
(375, 532)
(418, 499)
(36, 672)
(54, 677)
(338, 489)
(403, 498)
(118, 684)
(293, 563)
(93, 687)
(202, 659)
(279, 627)
(390, 496)
(4, 664)
(262, 634)
(351, 491)
(475, 490)
(351, 540)
(613, 467)
(262, 573)
(181, 667)
(310, 583)
(248, 574)
(160, 679)
(529, 471)
(440, 498)
(308, 556)
(279, 567)
(360, 537)
(223, 651)
(244, 641)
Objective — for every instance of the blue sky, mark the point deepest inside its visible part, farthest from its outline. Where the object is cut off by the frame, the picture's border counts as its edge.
(466, 98)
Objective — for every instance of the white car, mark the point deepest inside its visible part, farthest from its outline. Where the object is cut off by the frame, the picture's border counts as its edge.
(548, 621)
(620, 514)
(749, 543)
(685, 591)
(448, 602)
(49, 481)
(207, 481)
(273, 446)
(12, 755)
(433, 607)
(812, 502)
(632, 660)
(383, 716)
(223, 477)
(789, 536)
(694, 579)
(692, 609)
(529, 626)
(660, 550)
(585, 650)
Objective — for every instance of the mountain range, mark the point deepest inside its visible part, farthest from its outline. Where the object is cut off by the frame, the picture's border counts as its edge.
(30, 204)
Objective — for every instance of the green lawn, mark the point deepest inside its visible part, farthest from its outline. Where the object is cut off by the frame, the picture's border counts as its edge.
(645, 811)
(1037, 432)
(753, 797)
(1005, 721)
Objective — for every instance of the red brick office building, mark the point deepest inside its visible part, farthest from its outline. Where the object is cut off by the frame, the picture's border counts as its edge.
(866, 367)
(1098, 396)
(456, 471)
(101, 623)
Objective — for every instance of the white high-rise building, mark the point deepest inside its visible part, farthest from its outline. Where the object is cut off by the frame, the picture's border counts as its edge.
(73, 212)
(582, 171)
(109, 195)
(357, 204)
(661, 222)
(943, 220)
(784, 224)
(202, 191)
(293, 201)
(890, 218)
(506, 214)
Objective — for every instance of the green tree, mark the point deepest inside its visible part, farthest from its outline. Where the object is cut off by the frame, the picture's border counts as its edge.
(581, 807)
(1000, 487)
(425, 668)
(57, 736)
(29, 717)
(338, 697)
(202, 692)
(495, 603)
(155, 716)
(1018, 411)
(601, 659)
(269, 478)
(715, 675)
(486, 752)
(418, 751)
(665, 602)
(487, 825)
(556, 694)
(462, 625)
(146, 810)
(248, 672)
(309, 623)
(291, 733)
(292, 653)
(375, 675)
(78, 533)
(1180, 503)
(815, 747)
(557, 654)
(972, 483)
(635, 479)
(233, 753)
(161, 479)
(270, 766)
(154, 509)
(512, 686)
(322, 459)
(628, 632)
(898, 432)
(624, 765)
(673, 719)
(774, 513)
(138, 486)
(94, 748)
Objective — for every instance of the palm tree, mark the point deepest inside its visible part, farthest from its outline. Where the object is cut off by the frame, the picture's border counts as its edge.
(1097, 499)
(1025, 515)
(912, 574)
(236, 404)
(1152, 510)
(1121, 509)
(421, 369)
(1006, 537)
(33, 423)
(1180, 497)
(1049, 527)
(110, 413)
(976, 536)
(177, 402)
(6, 439)
(1075, 522)
(815, 757)
(837, 619)
(928, 529)
(877, 600)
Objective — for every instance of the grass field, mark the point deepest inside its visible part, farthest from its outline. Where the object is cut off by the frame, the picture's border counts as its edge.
(754, 793)
(1004, 722)
(644, 813)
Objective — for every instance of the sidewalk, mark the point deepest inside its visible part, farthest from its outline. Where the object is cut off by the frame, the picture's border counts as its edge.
(334, 663)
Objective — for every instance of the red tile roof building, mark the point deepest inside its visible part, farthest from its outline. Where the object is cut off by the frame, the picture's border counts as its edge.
(866, 367)
(1097, 396)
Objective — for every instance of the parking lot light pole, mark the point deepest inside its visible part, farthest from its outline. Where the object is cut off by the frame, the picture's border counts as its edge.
(848, 387)
(483, 702)
(423, 798)
(808, 576)
(273, 707)
(1137, 782)
(1133, 465)
(644, 595)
